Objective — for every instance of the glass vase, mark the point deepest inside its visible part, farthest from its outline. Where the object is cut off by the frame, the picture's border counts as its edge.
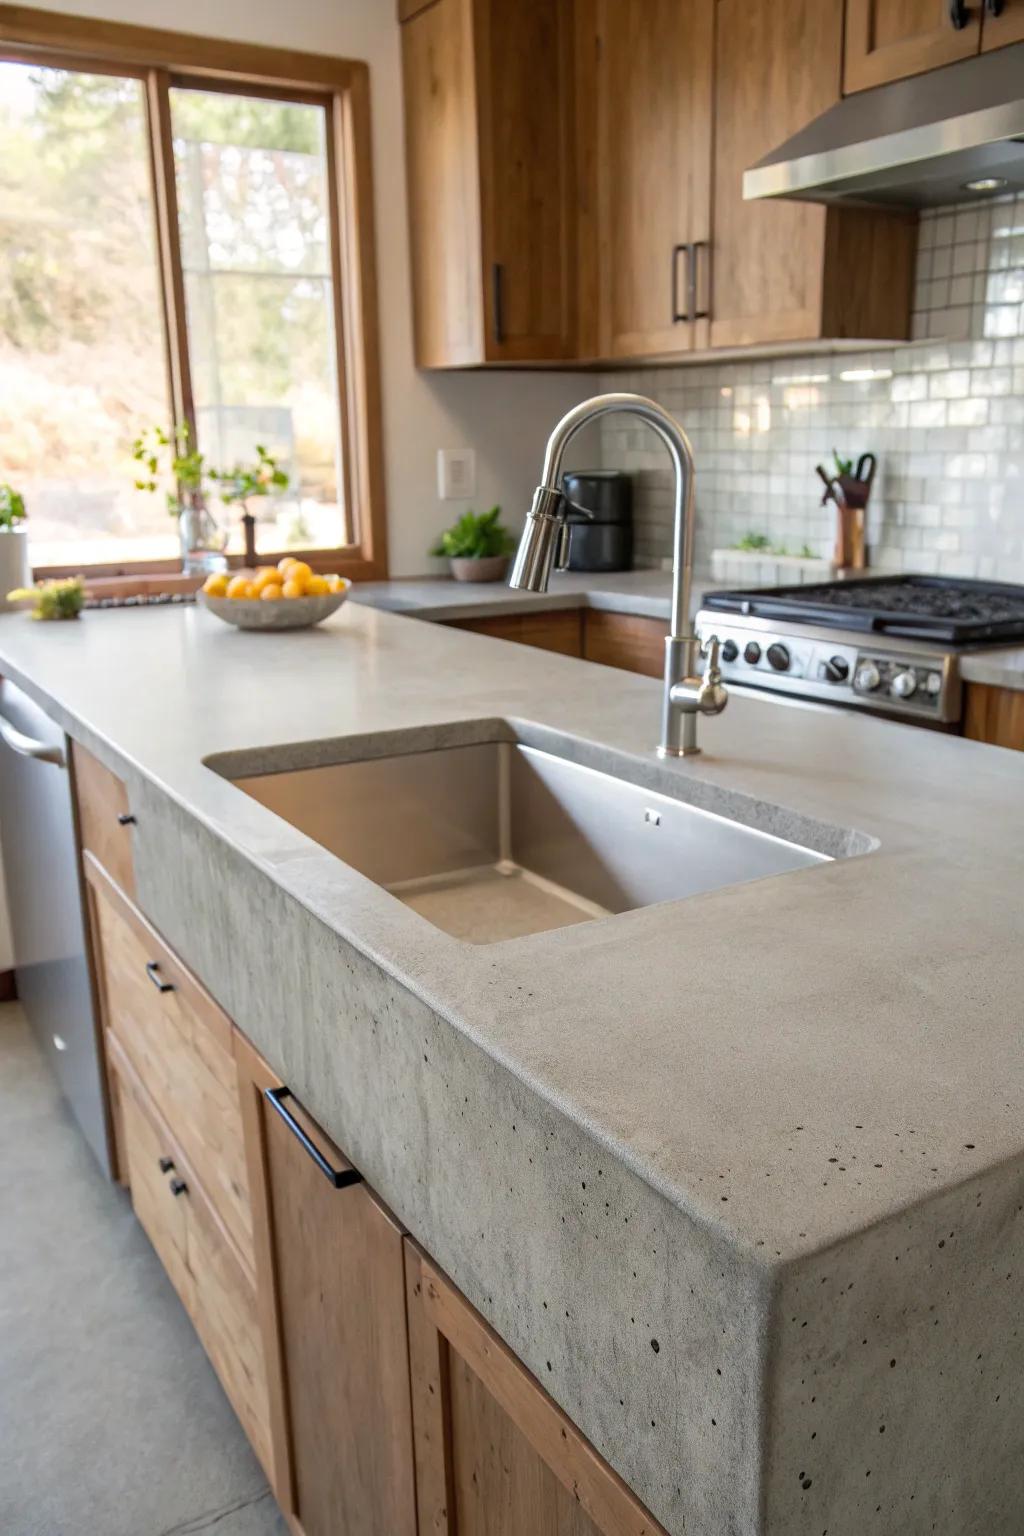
(203, 541)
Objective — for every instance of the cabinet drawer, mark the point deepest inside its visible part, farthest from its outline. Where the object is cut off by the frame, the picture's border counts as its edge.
(214, 1289)
(103, 813)
(179, 1043)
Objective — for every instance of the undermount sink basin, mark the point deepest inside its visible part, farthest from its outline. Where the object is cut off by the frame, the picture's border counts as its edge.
(497, 840)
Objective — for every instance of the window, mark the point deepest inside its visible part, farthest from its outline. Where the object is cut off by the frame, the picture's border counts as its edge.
(194, 244)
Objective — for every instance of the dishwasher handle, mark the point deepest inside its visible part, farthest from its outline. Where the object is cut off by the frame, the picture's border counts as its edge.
(27, 746)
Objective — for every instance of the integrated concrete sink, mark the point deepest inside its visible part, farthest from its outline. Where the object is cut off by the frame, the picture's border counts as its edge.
(496, 840)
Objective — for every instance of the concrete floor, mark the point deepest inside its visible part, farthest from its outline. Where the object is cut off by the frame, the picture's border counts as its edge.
(112, 1422)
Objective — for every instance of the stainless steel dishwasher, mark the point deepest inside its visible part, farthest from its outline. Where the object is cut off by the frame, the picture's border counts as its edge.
(44, 895)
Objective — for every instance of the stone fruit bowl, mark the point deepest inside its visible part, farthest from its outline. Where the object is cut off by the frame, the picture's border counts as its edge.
(284, 613)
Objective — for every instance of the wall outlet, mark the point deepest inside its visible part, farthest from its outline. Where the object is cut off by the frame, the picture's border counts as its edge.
(456, 474)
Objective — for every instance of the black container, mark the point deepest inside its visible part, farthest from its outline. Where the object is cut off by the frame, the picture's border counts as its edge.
(604, 541)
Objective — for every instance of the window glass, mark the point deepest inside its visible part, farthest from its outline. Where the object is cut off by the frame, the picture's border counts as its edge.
(82, 359)
(254, 214)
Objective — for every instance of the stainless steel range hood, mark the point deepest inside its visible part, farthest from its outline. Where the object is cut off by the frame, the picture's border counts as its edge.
(912, 144)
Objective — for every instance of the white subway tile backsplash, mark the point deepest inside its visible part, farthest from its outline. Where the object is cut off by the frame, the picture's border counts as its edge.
(945, 417)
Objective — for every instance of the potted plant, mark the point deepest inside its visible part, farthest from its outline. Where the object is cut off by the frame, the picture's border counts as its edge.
(262, 478)
(477, 546)
(169, 457)
(14, 568)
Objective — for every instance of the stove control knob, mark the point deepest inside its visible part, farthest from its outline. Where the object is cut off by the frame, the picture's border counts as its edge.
(904, 684)
(730, 650)
(778, 657)
(933, 683)
(836, 669)
(867, 678)
(752, 653)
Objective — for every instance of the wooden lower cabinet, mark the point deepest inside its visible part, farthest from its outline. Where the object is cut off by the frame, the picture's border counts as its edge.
(549, 630)
(215, 1289)
(626, 640)
(995, 715)
(330, 1268)
(494, 1455)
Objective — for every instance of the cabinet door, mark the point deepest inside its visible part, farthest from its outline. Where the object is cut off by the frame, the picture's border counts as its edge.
(995, 715)
(1007, 27)
(494, 1455)
(653, 106)
(524, 100)
(330, 1277)
(890, 39)
(776, 67)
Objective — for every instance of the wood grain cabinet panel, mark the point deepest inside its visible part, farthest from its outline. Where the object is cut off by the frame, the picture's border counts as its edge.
(331, 1276)
(549, 630)
(213, 1286)
(891, 39)
(786, 271)
(490, 177)
(995, 715)
(626, 640)
(180, 1044)
(652, 86)
(494, 1455)
(1007, 27)
(104, 817)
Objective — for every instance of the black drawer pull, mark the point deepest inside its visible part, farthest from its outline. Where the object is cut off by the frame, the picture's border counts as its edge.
(125, 819)
(166, 1164)
(178, 1187)
(153, 972)
(959, 15)
(341, 1178)
(994, 7)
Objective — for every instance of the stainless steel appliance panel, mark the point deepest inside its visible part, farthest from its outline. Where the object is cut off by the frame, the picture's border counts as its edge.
(44, 892)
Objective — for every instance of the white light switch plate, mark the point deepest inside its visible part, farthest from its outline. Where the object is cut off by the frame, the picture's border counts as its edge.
(456, 474)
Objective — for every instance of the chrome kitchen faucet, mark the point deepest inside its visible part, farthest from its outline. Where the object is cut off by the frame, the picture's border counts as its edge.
(545, 543)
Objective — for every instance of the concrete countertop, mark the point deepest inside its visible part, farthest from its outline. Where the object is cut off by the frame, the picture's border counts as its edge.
(1001, 667)
(645, 593)
(731, 1174)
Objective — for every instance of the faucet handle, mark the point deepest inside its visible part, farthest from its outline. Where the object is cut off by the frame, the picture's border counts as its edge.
(562, 546)
(712, 696)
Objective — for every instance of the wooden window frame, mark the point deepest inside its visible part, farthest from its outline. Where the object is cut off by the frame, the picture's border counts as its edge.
(161, 60)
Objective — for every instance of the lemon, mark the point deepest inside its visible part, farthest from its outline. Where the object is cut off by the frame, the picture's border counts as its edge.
(271, 592)
(265, 576)
(293, 589)
(286, 564)
(336, 583)
(216, 584)
(239, 586)
(299, 571)
(316, 586)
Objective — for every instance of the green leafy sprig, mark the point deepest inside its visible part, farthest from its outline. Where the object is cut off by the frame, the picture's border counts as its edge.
(12, 507)
(475, 536)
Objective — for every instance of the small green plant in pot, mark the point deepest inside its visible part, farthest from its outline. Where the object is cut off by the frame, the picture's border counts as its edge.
(262, 477)
(14, 567)
(477, 545)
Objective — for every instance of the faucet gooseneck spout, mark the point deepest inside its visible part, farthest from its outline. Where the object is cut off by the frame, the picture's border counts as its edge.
(545, 545)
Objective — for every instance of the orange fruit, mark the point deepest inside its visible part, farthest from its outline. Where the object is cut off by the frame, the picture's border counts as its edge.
(239, 586)
(299, 571)
(216, 584)
(293, 589)
(271, 592)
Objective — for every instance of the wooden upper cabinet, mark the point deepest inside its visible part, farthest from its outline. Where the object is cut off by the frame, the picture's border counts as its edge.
(891, 39)
(784, 271)
(651, 81)
(489, 155)
(1007, 27)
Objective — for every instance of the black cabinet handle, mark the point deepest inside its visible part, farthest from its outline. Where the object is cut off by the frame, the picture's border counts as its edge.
(959, 15)
(125, 819)
(677, 313)
(691, 279)
(178, 1187)
(341, 1178)
(497, 304)
(166, 1164)
(153, 972)
(994, 7)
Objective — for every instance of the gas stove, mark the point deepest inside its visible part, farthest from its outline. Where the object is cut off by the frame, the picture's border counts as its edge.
(888, 644)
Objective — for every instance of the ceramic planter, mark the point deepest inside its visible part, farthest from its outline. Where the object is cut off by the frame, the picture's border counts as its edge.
(489, 568)
(14, 566)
